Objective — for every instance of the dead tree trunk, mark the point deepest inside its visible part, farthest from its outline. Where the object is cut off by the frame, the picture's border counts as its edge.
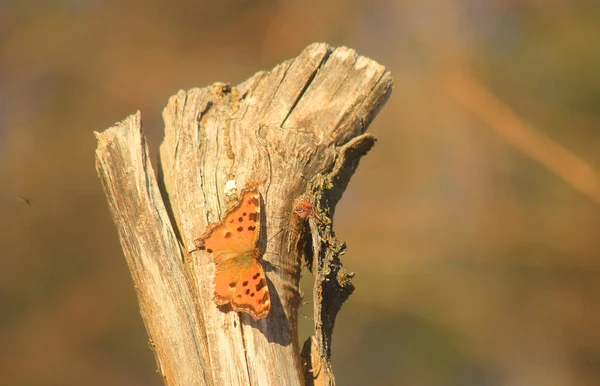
(297, 130)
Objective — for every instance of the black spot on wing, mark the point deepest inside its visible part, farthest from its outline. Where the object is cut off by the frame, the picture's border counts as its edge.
(261, 284)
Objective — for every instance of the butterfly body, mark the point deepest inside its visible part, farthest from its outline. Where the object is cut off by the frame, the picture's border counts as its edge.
(239, 277)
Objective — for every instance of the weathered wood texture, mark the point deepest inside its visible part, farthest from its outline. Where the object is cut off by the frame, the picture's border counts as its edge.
(297, 130)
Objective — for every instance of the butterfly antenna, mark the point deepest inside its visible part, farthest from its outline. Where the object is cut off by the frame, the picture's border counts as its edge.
(275, 235)
(271, 238)
(303, 314)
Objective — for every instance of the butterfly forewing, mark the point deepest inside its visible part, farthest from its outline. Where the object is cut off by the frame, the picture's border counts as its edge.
(239, 231)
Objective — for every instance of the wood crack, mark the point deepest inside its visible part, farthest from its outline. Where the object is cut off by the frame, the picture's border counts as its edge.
(306, 86)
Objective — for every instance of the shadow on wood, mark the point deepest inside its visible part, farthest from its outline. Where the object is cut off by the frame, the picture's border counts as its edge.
(297, 130)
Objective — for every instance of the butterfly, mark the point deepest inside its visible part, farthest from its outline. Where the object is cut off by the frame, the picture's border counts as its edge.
(239, 278)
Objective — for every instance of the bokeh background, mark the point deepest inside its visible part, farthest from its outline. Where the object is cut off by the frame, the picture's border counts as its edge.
(472, 226)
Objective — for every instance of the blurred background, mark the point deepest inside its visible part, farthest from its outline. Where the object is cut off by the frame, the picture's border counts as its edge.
(472, 225)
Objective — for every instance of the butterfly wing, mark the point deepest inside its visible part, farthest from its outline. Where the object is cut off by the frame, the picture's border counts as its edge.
(252, 293)
(238, 232)
(239, 277)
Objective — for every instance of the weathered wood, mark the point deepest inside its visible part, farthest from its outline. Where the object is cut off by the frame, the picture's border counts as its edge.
(295, 130)
(152, 253)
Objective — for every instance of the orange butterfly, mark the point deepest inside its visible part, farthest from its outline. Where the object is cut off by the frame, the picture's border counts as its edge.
(239, 278)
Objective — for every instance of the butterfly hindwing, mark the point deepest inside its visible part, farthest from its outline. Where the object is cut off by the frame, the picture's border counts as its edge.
(228, 274)
(252, 293)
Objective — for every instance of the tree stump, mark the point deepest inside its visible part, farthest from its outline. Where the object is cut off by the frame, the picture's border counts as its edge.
(295, 131)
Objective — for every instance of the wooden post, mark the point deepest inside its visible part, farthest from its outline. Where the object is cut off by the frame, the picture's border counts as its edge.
(297, 130)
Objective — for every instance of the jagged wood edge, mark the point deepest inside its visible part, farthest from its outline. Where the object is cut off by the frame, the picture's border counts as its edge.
(333, 284)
